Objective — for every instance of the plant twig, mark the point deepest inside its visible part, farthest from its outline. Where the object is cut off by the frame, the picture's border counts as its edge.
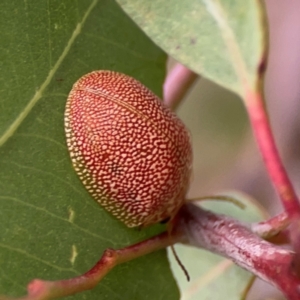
(263, 133)
(198, 227)
(45, 290)
(228, 237)
(177, 84)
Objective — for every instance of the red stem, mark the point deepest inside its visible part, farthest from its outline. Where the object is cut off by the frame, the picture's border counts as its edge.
(228, 237)
(45, 290)
(263, 133)
(177, 84)
(195, 226)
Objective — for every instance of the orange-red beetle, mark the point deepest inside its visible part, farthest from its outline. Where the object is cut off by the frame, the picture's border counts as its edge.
(131, 152)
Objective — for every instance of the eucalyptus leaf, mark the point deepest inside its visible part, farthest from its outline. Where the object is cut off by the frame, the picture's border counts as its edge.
(223, 40)
(50, 226)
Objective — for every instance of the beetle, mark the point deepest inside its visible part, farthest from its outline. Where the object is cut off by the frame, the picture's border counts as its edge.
(131, 152)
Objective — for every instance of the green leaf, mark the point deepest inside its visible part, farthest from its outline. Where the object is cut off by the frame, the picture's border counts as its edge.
(222, 40)
(50, 227)
(212, 276)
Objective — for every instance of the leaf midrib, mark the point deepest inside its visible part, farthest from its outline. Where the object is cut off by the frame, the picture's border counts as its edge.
(39, 93)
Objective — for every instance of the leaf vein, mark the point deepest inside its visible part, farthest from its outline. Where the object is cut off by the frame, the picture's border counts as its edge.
(4, 275)
(25, 253)
(44, 210)
(43, 138)
(48, 174)
(39, 93)
(120, 46)
(216, 10)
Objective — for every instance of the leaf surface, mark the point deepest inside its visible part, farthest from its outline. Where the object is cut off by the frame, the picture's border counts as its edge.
(50, 227)
(220, 39)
